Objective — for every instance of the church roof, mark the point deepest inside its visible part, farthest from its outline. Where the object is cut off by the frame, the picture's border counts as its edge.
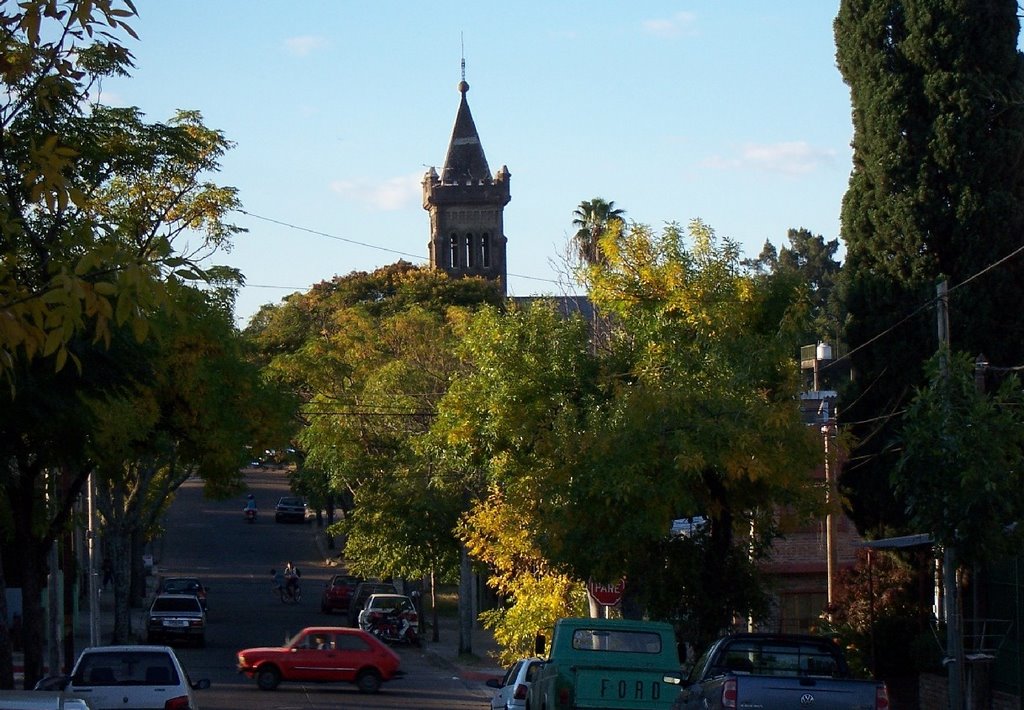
(465, 159)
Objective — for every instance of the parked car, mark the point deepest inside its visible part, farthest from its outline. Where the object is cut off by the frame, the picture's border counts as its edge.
(144, 677)
(323, 654)
(185, 585)
(177, 617)
(361, 593)
(290, 508)
(338, 592)
(35, 700)
(513, 688)
(378, 605)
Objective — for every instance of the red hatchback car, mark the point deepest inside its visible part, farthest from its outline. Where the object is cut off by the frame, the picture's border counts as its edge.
(323, 654)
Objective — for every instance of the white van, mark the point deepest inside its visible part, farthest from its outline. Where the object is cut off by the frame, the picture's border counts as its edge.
(40, 700)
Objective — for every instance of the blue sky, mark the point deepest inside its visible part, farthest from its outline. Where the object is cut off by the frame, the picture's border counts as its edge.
(731, 112)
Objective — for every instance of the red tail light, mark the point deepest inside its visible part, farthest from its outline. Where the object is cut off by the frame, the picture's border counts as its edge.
(882, 697)
(563, 697)
(521, 691)
(179, 703)
(730, 693)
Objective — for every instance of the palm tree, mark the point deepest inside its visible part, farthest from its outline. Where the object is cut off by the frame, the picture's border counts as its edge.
(592, 219)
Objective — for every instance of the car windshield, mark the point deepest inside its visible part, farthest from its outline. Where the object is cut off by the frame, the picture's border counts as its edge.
(391, 603)
(181, 585)
(291, 502)
(175, 604)
(125, 668)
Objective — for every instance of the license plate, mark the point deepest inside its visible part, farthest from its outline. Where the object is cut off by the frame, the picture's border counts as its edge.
(176, 622)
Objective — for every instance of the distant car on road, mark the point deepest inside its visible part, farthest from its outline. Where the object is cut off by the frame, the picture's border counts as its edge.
(323, 654)
(177, 617)
(338, 592)
(185, 585)
(144, 677)
(290, 508)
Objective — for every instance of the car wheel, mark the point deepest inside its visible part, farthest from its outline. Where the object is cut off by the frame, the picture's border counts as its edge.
(368, 681)
(268, 678)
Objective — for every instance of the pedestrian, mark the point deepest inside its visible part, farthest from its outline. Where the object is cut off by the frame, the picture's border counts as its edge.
(108, 572)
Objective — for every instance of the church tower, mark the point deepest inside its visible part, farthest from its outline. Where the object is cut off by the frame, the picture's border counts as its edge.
(466, 205)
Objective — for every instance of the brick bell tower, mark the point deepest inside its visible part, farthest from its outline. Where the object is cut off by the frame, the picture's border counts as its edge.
(466, 205)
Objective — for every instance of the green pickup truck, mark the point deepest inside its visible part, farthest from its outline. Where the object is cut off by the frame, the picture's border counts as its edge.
(611, 664)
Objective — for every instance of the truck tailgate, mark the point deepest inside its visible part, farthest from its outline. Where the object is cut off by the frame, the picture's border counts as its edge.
(624, 689)
(803, 692)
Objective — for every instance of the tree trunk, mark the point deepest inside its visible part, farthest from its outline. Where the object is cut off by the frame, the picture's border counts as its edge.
(136, 548)
(120, 553)
(34, 619)
(6, 642)
(465, 602)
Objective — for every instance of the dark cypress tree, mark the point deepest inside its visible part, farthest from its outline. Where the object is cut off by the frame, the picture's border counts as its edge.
(936, 190)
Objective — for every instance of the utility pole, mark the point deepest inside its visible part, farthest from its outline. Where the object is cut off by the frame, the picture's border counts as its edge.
(954, 642)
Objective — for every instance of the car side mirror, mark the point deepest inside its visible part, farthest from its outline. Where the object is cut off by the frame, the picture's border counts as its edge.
(538, 644)
(493, 683)
(201, 684)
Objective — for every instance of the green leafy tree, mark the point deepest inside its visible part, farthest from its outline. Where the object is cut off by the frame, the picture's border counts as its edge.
(935, 190)
(503, 444)
(369, 355)
(690, 411)
(960, 467)
(197, 411)
(592, 219)
(701, 419)
(92, 205)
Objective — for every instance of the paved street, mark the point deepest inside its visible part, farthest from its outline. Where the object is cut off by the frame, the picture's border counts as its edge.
(212, 540)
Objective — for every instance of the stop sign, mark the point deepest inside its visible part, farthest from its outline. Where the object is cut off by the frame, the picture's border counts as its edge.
(606, 594)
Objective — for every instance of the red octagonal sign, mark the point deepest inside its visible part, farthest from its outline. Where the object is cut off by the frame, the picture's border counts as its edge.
(607, 594)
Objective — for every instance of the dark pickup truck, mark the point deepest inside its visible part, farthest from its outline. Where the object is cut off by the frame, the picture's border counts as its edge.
(777, 671)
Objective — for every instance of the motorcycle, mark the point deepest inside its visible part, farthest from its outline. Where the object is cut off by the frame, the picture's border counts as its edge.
(250, 515)
(393, 627)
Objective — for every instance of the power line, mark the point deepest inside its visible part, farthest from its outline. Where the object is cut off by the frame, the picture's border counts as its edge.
(367, 245)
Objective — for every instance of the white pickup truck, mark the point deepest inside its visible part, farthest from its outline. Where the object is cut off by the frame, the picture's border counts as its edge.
(777, 671)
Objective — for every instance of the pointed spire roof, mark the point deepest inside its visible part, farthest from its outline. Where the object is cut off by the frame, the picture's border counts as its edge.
(465, 159)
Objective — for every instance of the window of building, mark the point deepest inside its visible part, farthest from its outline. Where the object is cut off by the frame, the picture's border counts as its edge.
(470, 248)
(453, 248)
(485, 250)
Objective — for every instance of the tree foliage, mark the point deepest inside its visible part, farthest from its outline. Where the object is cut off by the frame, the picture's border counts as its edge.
(93, 204)
(592, 219)
(961, 466)
(689, 410)
(935, 190)
(369, 355)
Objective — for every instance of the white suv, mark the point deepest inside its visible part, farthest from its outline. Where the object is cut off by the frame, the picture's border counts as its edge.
(115, 677)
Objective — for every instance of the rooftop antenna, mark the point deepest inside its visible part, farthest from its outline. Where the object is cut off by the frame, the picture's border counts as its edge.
(462, 39)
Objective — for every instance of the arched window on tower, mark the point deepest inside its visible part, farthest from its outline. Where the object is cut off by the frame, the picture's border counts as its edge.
(453, 249)
(470, 251)
(485, 250)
